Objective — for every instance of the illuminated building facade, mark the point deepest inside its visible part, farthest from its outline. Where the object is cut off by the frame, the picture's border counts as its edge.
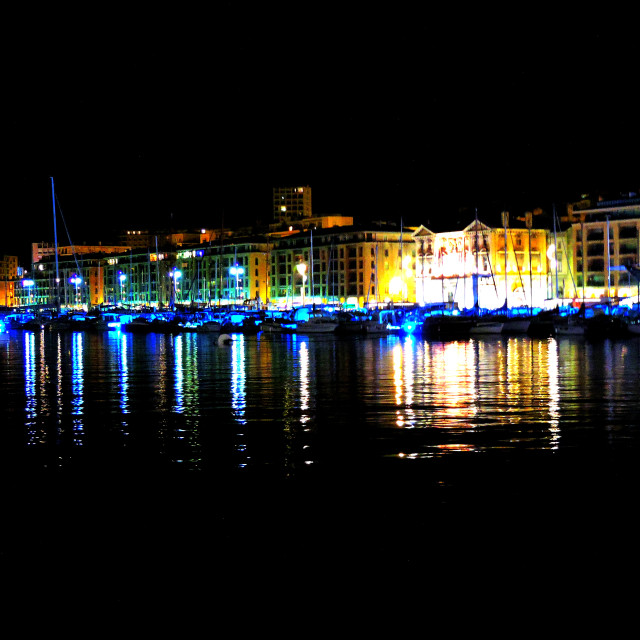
(343, 264)
(328, 259)
(485, 267)
(8, 280)
(41, 250)
(604, 240)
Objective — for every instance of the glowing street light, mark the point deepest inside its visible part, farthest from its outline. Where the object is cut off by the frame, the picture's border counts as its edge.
(237, 272)
(122, 277)
(302, 270)
(176, 274)
(29, 284)
(76, 280)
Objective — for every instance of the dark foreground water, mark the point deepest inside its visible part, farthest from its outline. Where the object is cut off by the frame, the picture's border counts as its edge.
(169, 469)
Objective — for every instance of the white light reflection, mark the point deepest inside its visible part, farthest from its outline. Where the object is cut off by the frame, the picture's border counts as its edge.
(124, 374)
(238, 379)
(59, 392)
(178, 374)
(238, 394)
(187, 381)
(77, 385)
(30, 386)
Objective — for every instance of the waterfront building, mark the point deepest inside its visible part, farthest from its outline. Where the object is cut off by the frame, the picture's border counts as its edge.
(303, 258)
(486, 267)
(354, 265)
(8, 279)
(604, 240)
(41, 250)
(74, 280)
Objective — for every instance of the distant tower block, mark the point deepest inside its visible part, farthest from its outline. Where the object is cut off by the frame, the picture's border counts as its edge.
(291, 203)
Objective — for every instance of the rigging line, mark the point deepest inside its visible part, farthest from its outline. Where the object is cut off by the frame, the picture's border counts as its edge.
(515, 255)
(486, 250)
(73, 248)
(566, 255)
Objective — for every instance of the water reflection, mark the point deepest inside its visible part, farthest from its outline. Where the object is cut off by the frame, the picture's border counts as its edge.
(123, 368)
(286, 400)
(77, 386)
(30, 374)
(481, 391)
(403, 382)
(238, 379)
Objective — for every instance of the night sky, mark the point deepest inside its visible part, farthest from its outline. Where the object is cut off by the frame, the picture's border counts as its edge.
(187, 120)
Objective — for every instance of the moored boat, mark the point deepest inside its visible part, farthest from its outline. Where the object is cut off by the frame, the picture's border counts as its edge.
(350, 323)
(569, 326)
(317, 322)
(516, 325)
(486, 326)
(375, 325)
(446, 327)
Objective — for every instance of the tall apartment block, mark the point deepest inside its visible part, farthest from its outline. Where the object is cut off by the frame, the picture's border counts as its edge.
(291, 203)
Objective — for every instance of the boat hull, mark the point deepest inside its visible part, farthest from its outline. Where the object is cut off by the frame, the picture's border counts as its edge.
(446, 327)
(313, 327)
(486, 328)
(516, 326)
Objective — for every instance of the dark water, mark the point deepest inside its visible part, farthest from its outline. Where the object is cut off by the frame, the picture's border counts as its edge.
(160, 459)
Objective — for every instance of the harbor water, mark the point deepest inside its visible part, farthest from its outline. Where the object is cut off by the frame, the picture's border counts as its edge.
(173, 455)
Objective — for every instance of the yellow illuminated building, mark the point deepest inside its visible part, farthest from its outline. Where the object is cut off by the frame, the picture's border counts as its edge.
(350, 265)
(484, 266)
(8, 278)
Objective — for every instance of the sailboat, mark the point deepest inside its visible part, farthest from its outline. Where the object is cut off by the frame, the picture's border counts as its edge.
(514, 323)
(483, 324)
(573, 324)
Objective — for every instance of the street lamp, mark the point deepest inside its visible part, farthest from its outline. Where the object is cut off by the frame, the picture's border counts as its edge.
(76, 280)
(29, 284)
(122, 277)
(177, 274)
(237, 272)
(302, 270)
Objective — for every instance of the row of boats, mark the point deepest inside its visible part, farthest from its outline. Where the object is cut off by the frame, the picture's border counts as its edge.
(544, 324)
(311, 320)
(202, 321)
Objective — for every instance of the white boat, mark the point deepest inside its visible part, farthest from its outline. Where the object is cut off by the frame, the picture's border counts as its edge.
(316, 323)
(203, 322)
(108, 321)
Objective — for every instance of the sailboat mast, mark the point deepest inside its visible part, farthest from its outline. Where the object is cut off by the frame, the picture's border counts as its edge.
(476, 297)
(555, 244)
(55, 240)
(401, 264)
(311, 291)
(158, 301)
(505, 221)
